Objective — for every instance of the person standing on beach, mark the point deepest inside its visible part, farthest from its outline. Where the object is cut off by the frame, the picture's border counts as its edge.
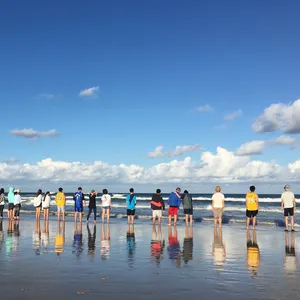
(106, 205)
(46, 205)
(157, 206)
(92, 206)
(2, 202)
(17, 204)
(37, 202)
(218, 206)
(187, 207)
(131, 203)
(251, 207)
(78, 198)
(60, 200)
(11, 198)
(288, 206)
(174, 201)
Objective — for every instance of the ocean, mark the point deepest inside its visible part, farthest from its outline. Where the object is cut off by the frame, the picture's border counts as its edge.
(269, 207)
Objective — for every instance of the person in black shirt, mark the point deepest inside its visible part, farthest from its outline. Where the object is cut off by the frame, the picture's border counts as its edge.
(157, 206)
(92, 206)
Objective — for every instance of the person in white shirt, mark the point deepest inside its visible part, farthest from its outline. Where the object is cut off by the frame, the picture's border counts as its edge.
(46, 205)
(288, 206)
(218, 206)
(17, 204)
(106, 205)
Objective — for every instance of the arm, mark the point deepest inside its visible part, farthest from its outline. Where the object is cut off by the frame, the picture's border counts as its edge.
(223, 204)
(282, 205)
(294, 200)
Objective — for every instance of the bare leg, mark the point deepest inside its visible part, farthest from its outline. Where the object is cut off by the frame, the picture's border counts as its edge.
(108, 214)
(220, 221)
(215, 222)
(80, 217)
(186, 219)
(175, 220)
(58, 216)
(132, 220)
(253, 222)
(292, 222)
(153, 220)
(103, 214)
(159, 220)
(128, 218)
(170, 220)
(191, 219)
(247, 223)
(286, 223)
(63, 216)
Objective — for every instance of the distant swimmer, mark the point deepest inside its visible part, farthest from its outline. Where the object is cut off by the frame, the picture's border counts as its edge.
(251, 207)
(218, 206)
(174, 201)
(60, 200)
(131, 203)
(288, 206)
(253, 253)
(78, 208)
(157, 206)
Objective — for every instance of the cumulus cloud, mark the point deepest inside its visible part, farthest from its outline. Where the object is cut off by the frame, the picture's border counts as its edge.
(10, 160)
(90, 92)
(220, 167)
(279, 117)
(234, 115)
(251, 148)
(179, 150)
(285, 140)
(204, 108)
(29, 133)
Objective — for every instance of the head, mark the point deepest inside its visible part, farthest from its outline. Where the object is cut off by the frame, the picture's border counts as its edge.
(11, 189)
(186, 192)
(80, 189)
(252, 188)
(60, 189)
(47, 193)
(2, 191)
(39, 191)
(105, 191)
(131, 191)
(178, 189)
(287, 187)
(158, 191)
(17, 192)
(218, 189)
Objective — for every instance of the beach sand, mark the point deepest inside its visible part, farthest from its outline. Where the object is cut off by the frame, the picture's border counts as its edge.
(48, 261)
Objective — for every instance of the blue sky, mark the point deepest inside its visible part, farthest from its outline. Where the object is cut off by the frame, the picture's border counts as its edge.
(154, 63)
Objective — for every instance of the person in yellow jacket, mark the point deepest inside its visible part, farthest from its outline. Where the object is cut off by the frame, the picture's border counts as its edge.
(60, 200)
(251, 207)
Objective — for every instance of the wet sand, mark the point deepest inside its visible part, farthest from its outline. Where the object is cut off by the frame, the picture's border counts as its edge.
(47, 260)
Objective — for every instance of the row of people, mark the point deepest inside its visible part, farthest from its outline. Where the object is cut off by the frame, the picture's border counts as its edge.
(174, 202)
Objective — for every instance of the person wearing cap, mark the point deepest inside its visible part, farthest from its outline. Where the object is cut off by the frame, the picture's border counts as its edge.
(79, 199)
(174, 201)
(60, 200)
(92, 206)
(288, 206)
(17, 204)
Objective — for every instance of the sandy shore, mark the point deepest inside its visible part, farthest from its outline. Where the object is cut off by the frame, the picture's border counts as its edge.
(145, 262)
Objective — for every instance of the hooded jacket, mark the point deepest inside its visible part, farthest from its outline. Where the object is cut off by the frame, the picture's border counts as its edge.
(173, 200)
(11, 195)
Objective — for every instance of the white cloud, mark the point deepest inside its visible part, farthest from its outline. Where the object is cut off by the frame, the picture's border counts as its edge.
(204, 108)
(90, 92)
(179, 150)
(10, 160)
(220, 167)
(29, 133)
(251, 148)
(234, 115)
(285, 140)
(281, 117)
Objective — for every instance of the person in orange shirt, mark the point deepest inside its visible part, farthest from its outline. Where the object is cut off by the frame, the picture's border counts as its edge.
(251, 207)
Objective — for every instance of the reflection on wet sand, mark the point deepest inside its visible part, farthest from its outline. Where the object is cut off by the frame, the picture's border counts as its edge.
(59, 241)
(188, 244)
(16, 235)
(174, 246)
(91, 240)
(1, 234)
(78, 239)
(218, 249)
(45, 237)
(105, 241)
(36, 237)
(290, 259)
(131, 245)
(253, 253)
(157, 244)
(9, 236)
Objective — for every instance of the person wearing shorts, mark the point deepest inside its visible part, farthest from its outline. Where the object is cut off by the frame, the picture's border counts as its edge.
(60, 200)
(157, 206)
(218, 206)
(174, 201)
(187, 202)
(288, 206)
(251, 207)
(78, 208)
(106, 205)
(92, 206)
(11, 199)
(131, 203)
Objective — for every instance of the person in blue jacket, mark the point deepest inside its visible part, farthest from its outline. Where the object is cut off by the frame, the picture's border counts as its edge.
(79, 199)
(131, 203)
(174, 204)
(11, 199)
